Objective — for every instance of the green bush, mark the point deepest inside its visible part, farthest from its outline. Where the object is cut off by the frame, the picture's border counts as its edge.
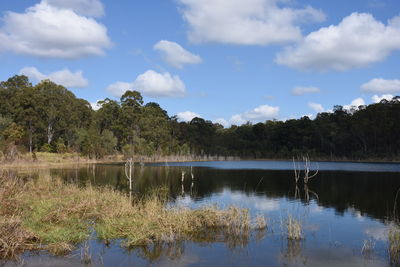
(60, 146)
(46, 148)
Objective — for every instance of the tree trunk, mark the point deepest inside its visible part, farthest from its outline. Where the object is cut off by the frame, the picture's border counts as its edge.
(30, 143)
(30, 137)
(50, 133)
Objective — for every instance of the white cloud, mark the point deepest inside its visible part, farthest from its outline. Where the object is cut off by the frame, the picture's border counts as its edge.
(237, 119)
(381, 86)
(378, 99)
(95, 105)
(63, 77)
(175, 55)
(119, 88)
(355, 104)
(255, 22)
(357, 41)
(156, 84)
(259, 114)
(310, 116)
(187, 115)
(221, 121)
(316, 107)
(152, 84)
(301, 90)
(51, 32)
(91, 8)
(33, 73)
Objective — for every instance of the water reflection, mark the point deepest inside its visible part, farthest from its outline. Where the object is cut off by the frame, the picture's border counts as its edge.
(292, 254)
(327, 257)
(369, 193)
(340, 211)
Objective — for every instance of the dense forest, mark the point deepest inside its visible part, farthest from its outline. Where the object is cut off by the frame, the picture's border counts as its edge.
(48, 117)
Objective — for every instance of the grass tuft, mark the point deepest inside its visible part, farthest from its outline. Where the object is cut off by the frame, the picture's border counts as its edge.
(294, 229)
(14, 238)
(394, 245)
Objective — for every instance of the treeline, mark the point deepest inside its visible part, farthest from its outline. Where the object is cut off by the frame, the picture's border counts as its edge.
(48, 117)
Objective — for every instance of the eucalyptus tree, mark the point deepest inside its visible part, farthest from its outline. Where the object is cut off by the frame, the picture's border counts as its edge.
(155, 127)
(130, 112)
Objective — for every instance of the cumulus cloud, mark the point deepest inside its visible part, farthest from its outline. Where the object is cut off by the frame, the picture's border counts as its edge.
(63, 77)
(355, 104)
(357, 41)
(381, 86)
(91, 8)
(301, 90)
(156, 84)
(187, 115)
(377, 98)
(119, 88)
(175, 55)
(316, 107)
(152, 84)
(259, 114)
(48, 31)
(95, 105)
(221, 121)
(256, 22)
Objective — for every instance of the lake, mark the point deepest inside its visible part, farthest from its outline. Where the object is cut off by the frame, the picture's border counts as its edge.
(345, 212)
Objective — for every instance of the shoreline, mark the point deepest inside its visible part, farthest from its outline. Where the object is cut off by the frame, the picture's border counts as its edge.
(60, 160)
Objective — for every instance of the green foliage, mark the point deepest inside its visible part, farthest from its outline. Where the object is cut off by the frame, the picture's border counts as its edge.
(49, 117)
(60, 146)
(10, 137)
(128, 150)
(13, 133)
(132, 99)
(46, 148)
(96, 145)
(108, 142)
(4, 124)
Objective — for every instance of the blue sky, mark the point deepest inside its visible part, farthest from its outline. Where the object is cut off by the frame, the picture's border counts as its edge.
(229, 61)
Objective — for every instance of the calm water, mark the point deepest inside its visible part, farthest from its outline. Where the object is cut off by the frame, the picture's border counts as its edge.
(344, 207)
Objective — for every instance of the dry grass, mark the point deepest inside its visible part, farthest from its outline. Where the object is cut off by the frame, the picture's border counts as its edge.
(294, 229)
(46, 213)
(394, 245)
(46, 159)
(14, 238)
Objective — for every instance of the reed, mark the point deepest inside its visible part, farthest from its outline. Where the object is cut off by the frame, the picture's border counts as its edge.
(394, 244)
(294, 229)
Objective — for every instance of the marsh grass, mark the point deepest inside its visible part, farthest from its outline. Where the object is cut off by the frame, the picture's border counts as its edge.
(294, 228)
(46, 213)
(14, 238)
(394, 244)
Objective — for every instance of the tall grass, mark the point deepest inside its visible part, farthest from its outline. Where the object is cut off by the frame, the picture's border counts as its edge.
(49, 214)
(394, 244)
